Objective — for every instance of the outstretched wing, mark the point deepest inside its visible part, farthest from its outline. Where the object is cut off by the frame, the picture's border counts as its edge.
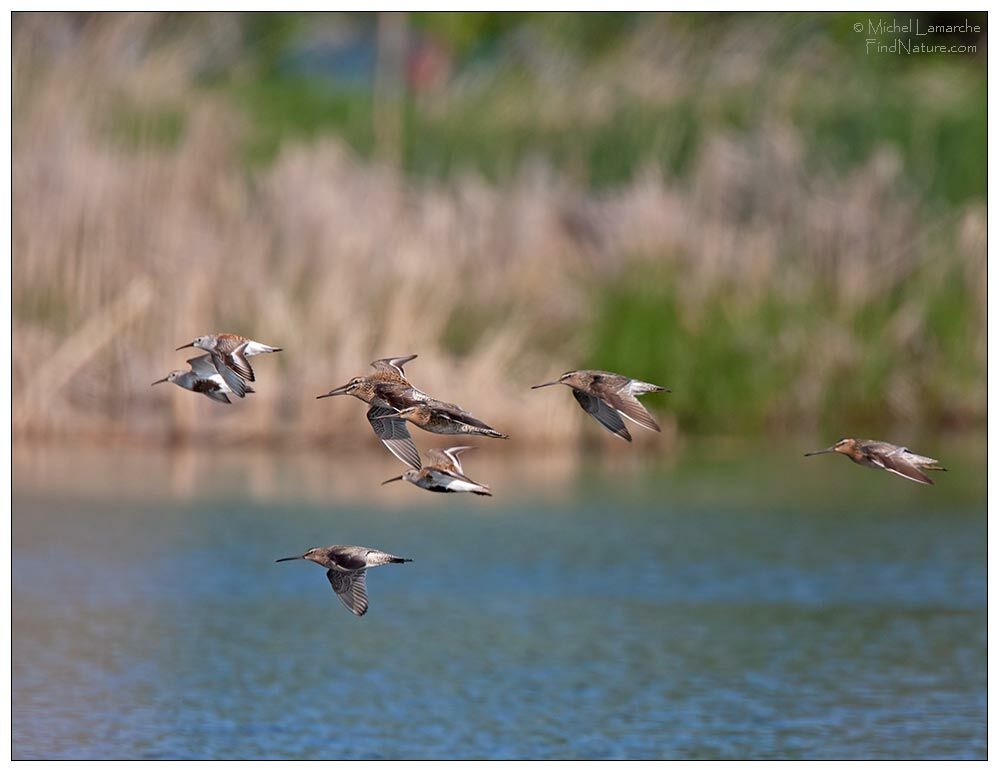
(604, 413)
(896, 464)
(394, 434)
(625, 403)
(202, 366)
(393, 363)
(447, 458)
(236, 360)
(231, 378)
(349, 588)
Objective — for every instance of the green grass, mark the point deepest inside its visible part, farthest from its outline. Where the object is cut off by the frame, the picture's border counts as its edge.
(930, 109)
(283, 109)
(936, 121)
(729, 371)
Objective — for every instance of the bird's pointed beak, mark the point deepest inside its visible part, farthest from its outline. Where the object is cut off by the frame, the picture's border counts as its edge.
(335, 392)
(393, 479)
(293, 557)
(820, 452)
(161, 380)
(550, 383)
(186, 345)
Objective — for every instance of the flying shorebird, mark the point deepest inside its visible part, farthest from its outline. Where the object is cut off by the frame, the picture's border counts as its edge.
(345, 566)
(387, 391)
(884, 455)
(443, 474)
(202, 378)
(229, 354)
(438, 417)
(609, 396)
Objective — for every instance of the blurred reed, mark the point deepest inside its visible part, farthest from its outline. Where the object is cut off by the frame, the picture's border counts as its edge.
(817, 280)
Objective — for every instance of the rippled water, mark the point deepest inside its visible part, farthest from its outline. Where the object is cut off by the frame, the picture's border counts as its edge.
(713, 608)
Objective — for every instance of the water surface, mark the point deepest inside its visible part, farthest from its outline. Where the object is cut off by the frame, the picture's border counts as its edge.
(717, 605)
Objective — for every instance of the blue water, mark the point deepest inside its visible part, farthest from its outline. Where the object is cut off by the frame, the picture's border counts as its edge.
(826, 613)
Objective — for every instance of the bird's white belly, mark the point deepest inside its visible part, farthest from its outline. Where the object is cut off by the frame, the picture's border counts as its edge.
(461, 486)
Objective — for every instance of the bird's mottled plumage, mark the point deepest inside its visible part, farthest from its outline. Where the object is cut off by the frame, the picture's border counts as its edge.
(387, 391)
(443, 474)
(393, 400)
(230, 355)
(345, 566)
(438, 417)
(202, 378)
(609, 397)
(884, 455)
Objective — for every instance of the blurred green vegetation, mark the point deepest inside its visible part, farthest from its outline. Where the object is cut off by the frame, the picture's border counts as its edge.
(727, 367)
(930, 108)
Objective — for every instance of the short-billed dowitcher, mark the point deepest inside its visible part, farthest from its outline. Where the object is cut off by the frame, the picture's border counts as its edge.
(387, 391)
(438, 417)
(884, 455)
(345, 566)
(443, 474)
(609, 396)
(387, 370)
(229, 354)
(202, 378)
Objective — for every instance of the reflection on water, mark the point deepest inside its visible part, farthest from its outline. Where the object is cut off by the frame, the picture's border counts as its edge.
(723, 604)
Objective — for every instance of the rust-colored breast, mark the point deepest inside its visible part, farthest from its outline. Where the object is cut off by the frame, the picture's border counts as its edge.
(229, 342)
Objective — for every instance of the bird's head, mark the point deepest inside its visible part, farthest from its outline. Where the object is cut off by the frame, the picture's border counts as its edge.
(355, 387)
(845, 446)
(566, 378)
(316, 555)
(171, 378)
(205, 342)
(410, 475)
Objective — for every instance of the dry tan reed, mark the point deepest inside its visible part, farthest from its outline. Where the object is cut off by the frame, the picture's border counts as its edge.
(339, 260)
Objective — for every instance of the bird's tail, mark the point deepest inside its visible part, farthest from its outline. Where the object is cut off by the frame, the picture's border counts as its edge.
(400, 560)
(254, 347)
(935, 468)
